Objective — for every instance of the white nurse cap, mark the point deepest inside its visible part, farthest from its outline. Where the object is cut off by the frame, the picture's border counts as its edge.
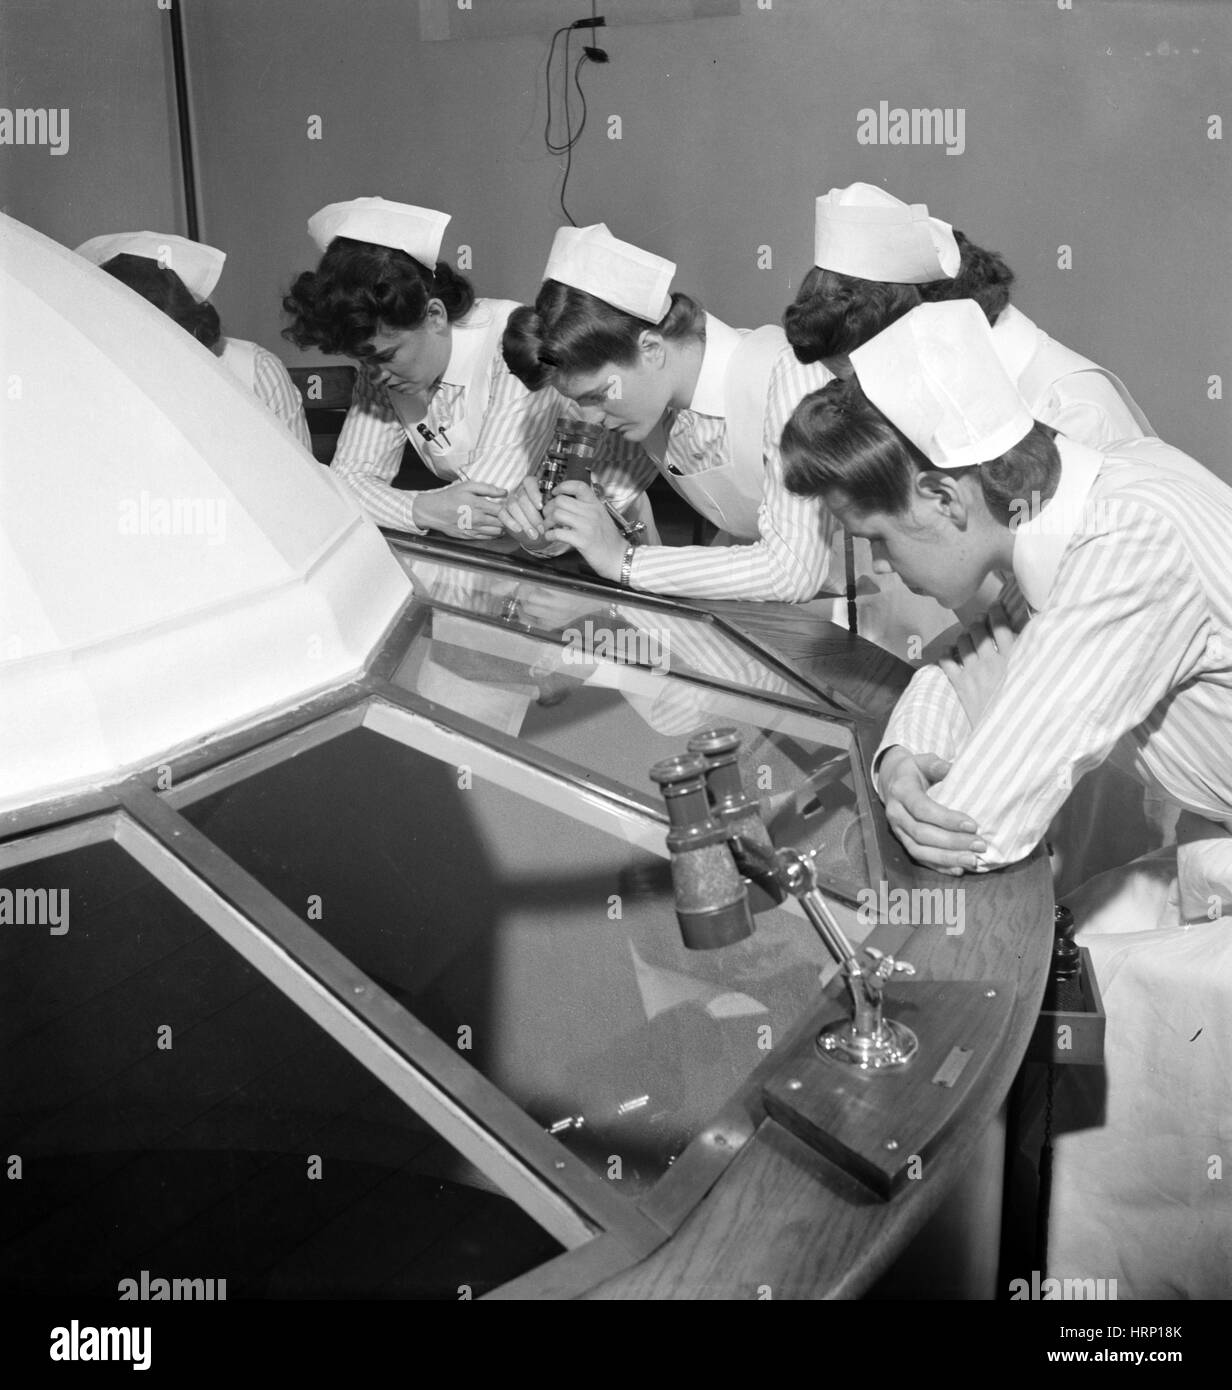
(866, 232)
(936, 375)
(417, 231)
(197, 265)
(624, 276)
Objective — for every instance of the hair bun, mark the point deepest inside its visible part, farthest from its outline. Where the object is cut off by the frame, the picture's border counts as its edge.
(522, 346)
(453, 290)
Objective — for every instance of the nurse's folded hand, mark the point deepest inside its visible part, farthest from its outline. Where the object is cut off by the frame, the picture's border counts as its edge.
(464, 509)
(932, 834)
(575, 515)
(976, 665)
(522, 514)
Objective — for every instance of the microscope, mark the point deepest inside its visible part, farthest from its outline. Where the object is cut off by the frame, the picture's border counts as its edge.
(570, 458)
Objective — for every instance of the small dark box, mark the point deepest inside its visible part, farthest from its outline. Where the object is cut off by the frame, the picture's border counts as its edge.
(1070, 1028)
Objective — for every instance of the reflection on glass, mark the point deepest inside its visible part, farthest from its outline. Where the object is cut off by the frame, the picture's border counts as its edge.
(545, 949)
(617, 720)
(168, 1103)
(623, 632)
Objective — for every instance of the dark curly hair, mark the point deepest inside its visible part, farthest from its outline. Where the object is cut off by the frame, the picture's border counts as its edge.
(359, 289)
(166, 291)
(568, 332)
(838, 441)
(832, 314)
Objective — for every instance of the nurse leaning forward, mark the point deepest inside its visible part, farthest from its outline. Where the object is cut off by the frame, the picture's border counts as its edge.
(431, 371)
(874, 259)
(1127, 654)
(178, 276)
(706, 401)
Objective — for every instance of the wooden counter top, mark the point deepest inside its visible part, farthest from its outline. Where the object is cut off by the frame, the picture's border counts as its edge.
(782, 1220)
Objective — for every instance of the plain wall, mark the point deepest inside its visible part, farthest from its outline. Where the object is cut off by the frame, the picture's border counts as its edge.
(109, 63)
(1085, 128)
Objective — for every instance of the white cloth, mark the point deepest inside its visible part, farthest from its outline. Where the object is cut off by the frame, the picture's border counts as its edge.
(864, 231)
(1139, 1191)
(593, 260)
(405, 227)
(265, 376)
(198, 266)
(798, 550)
(1065, 389)
(935, 374)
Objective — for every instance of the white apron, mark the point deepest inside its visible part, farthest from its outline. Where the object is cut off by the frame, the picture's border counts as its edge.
(1146, 1197)
(240, 359)
(476, 341)
(729, 495)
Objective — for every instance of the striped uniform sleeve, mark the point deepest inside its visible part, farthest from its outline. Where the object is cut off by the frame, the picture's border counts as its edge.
(1126, 623)
(623, 469)
(794, 557)
(516, 431)
(928, 718)
(369, 454)
(276, 390)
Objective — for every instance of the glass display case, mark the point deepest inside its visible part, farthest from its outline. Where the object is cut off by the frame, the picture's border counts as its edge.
(418, 933)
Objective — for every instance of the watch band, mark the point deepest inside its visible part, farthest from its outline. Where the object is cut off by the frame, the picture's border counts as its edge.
(626, 566)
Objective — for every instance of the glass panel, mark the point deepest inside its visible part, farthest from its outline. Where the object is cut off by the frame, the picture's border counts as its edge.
(175, 1115)
(625, 632)
(617, 720)
(527, 926)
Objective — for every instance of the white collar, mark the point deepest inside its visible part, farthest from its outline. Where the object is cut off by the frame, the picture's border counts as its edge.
(1042, 539)
(710, 395)
(1016, 339)
(466, 345)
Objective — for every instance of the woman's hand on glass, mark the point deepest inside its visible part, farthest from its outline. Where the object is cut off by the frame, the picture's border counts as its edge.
(464, 509)
(522, 514)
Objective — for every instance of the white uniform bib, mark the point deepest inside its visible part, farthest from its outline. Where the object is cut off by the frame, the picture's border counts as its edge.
(472, 359)
(729, 495)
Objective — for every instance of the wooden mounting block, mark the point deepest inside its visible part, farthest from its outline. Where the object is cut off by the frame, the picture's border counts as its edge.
(882, 1126)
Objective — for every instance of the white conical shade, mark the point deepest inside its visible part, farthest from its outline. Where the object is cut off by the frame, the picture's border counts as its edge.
(172, 562)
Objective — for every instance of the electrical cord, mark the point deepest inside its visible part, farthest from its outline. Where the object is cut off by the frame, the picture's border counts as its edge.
(571, 136)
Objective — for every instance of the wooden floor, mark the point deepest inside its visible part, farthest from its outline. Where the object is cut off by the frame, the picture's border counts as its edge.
(193, 1161)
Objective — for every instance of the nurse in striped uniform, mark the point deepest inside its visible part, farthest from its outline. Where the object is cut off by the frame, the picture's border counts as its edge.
(876, 257)
(706, 401)
(178, 276)
(431, 370)
(933, 456)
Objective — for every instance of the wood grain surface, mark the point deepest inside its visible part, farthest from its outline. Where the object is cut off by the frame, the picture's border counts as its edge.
(782, 1221)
